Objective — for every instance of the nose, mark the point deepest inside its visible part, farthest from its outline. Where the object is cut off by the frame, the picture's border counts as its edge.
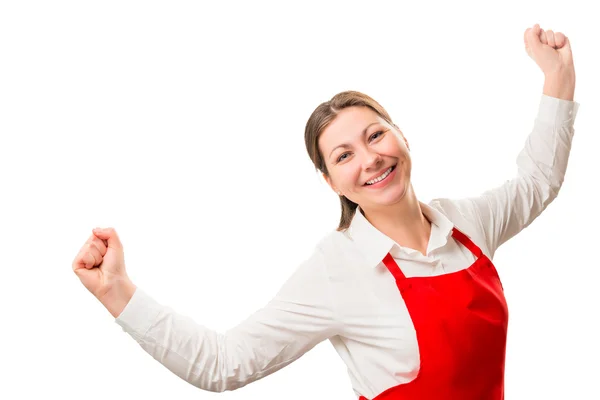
(372, 160)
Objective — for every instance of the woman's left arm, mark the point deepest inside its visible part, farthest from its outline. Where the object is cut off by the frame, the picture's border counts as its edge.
(542, 164)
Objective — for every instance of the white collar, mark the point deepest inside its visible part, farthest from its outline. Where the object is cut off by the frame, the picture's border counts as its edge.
(374, 245)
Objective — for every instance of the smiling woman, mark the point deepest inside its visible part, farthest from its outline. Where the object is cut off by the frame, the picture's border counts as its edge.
(405, 291)
(362, 146)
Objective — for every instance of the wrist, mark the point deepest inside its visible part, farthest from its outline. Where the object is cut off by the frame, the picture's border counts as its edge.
(118, 296)
(560, 84)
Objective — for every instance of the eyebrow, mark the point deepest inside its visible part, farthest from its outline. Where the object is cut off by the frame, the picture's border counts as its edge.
(347, 145)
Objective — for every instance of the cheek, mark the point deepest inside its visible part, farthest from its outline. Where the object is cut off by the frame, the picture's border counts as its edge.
(407, 166)
(348, 176)
(392, 147)
(406, 155)
(403, 152)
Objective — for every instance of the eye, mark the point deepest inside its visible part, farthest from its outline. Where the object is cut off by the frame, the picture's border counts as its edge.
(340, 158)
(375, 134)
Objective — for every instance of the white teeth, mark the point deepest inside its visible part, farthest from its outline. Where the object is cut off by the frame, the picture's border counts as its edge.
(380, 178)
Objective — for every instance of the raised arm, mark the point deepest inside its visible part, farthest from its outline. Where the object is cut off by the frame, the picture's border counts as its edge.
(506, 210)
(300, 316)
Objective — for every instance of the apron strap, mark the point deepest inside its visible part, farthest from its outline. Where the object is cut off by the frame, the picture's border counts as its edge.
(389, 262)
(468, 243)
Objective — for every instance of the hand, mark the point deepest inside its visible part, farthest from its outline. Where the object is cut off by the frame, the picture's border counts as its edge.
(100, 264)
(551, 51)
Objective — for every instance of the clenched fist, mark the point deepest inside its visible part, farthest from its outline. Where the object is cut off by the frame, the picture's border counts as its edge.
(100, 265)
(551, 51)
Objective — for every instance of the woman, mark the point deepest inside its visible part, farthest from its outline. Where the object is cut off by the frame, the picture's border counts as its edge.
(405, 291)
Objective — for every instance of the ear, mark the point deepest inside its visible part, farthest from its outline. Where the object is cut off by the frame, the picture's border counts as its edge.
(330, 183)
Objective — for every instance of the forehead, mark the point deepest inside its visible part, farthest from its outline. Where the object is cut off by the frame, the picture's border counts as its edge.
(347, 126)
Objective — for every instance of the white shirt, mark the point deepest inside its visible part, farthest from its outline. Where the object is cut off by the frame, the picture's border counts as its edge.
(353, 300)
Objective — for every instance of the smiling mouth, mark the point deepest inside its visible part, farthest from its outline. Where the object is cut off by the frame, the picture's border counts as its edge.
(387, 173)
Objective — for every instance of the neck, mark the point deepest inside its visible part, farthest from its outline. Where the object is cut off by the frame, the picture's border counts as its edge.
(403, 222)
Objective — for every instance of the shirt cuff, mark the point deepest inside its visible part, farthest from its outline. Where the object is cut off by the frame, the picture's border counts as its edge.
(139, 314)
(555, 111)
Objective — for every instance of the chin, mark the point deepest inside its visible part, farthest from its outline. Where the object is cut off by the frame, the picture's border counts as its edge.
(394, 197)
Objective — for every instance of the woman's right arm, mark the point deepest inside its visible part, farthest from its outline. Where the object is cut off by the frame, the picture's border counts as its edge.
(299, 317)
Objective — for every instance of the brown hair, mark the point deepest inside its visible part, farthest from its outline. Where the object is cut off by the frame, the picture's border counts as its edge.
(321, 117)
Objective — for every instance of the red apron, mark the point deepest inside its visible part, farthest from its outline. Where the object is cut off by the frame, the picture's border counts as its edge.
(461, 320)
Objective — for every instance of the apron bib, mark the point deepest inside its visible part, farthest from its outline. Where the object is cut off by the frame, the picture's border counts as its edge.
(461, 321)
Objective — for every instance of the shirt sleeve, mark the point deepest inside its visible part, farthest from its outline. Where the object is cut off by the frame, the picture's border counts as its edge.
(298, 317)
(506, 210)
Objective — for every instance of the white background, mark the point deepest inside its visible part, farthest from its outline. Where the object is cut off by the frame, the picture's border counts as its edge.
(181, 124)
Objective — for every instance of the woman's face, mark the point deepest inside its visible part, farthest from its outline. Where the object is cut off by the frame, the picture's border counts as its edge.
(359, 149)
